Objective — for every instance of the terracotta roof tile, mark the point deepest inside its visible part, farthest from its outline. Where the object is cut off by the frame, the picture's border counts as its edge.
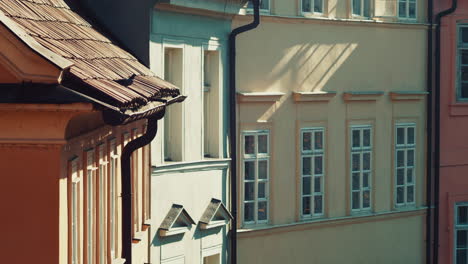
(98, 62)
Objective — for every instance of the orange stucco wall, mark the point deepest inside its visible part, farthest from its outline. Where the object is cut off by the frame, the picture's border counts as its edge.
(30, 204)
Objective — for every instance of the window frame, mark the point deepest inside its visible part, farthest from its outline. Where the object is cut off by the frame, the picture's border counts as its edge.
(101, 203)
(312, 154)
(457, 227)
(404, 147)
(256, 157)
(74, 211)
(311, 12)
(262, 10)
(407, 17)
(91, 215)
(458, 80)
(114, 158)
(362, 11)
(361, 151)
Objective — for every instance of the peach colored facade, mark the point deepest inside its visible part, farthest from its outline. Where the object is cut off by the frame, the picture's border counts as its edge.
(306, 77)
(453, 130)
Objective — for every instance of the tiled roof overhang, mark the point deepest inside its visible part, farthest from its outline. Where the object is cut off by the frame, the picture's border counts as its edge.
(92, 64)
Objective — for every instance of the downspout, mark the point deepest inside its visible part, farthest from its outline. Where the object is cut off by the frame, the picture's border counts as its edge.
(233, 125)
(429, 129)
(438, 20)
(126, 183)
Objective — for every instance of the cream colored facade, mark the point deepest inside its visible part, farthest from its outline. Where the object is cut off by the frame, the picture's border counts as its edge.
(189, 155)
(333, 73)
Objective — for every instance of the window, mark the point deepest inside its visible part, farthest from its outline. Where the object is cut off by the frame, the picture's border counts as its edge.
(461, 233)
(264, 5)
(312, 171)
(213, 259)
(312, 6)
(462, 91)
(210, 102)
(173, 73)
(135, 172)
(407, 9)
(404, 163)
(102, 203)
(361, 8)
(74, 212)
(361, 167)
(114, 158)
(255, 170)
(90, 207)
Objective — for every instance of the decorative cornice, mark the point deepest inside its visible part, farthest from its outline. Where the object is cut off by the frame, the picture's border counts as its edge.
(408, 95)
(362, 96)
(263, 97)
(74, 107)
(313, 96)
(203, 165)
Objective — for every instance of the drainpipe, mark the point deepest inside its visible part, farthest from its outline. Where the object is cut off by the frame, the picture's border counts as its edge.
(233, 125)
(151, 130)
(438, 20)
(429, 129)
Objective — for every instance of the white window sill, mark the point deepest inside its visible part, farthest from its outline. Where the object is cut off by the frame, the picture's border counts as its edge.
(118, 261)
(206, 164)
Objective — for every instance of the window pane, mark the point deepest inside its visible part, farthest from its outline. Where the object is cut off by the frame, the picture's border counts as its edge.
(306, 205)
(249, 142)
(318, 140)
(356, 7)
(306, 163)
(366, 199)
(402, 9)
(262, 190)
(318, 165)
(356, 162)
(461, 238)
(249, 170)
(262, 211)
(365, 180)
(464, 73)
(263, 144)
(366, 8)
(410, 135)
(464, 56)
(400, 135)
(318, 204)
(318, 6)
(400, 195)
(356, 181)
(356, 138)
(366, 161)
(318, 184)
(306, 141)
(306, 5)
(366, 138)
(409, 175)
(249, 191)
(400, 176)
(306, 185)
(462, 215)
(400, 158)
(248, 212)
(464, 90)
(355, 201)
(410, 158)
(464, 34)
(461, 256)
(262, 169)
(412, 10)
(410, 194)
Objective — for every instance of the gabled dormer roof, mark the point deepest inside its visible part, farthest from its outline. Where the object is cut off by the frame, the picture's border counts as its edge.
(215, 215)
(177, 221)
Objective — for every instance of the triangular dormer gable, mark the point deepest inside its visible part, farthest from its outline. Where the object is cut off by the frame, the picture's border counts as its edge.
(215, 215)
(177, 221)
